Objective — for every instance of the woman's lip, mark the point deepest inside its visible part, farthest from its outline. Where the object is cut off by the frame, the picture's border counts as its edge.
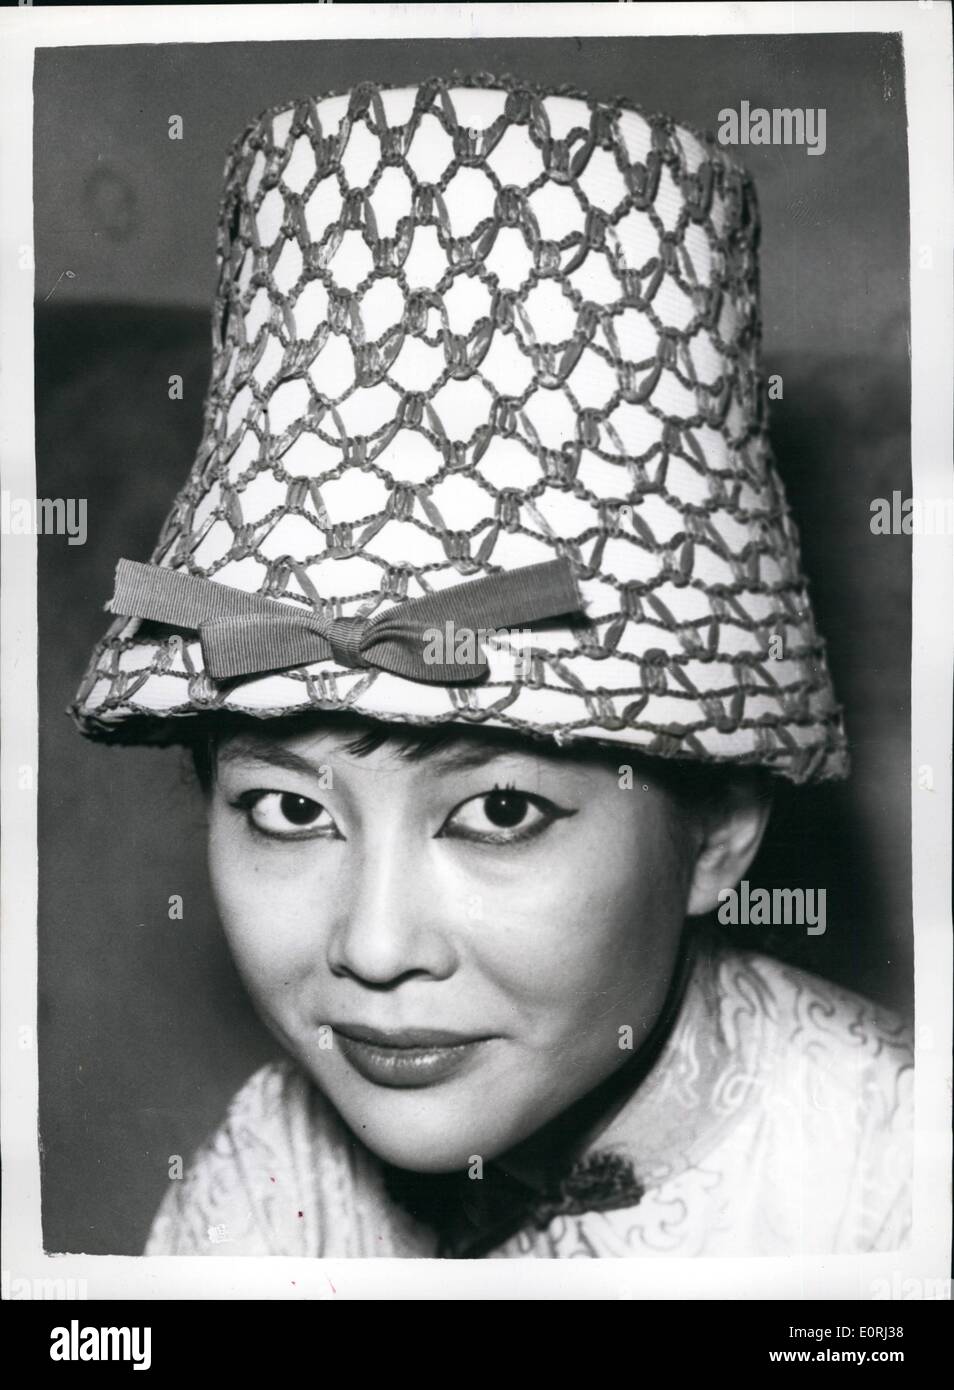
(426, 1038)
(420, 1064)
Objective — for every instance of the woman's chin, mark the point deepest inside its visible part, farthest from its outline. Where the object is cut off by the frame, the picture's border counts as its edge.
(427, 1138)
(421, 1157)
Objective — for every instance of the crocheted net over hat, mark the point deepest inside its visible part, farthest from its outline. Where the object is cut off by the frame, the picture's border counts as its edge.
(467, 327)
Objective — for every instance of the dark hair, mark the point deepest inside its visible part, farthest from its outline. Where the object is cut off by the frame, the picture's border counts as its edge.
(698, 788)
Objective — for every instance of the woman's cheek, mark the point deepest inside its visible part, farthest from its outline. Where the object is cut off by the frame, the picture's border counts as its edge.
(260, 920)
(593, 957)
(553, 961)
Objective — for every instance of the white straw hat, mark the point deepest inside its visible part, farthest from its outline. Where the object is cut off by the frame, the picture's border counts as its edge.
(482, 337)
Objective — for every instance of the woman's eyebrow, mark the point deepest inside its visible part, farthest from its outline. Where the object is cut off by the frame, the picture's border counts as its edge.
(463, 758)
(273, 754)
(456, 758)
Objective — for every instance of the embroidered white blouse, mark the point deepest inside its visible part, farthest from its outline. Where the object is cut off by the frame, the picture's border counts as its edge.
(777, 1120)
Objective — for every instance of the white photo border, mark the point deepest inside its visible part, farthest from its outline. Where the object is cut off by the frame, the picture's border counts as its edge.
(926, 34)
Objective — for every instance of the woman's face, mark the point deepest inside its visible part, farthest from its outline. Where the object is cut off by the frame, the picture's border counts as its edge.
(456, 948)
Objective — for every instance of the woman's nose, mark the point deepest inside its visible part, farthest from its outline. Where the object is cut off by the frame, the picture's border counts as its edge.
(391, 920)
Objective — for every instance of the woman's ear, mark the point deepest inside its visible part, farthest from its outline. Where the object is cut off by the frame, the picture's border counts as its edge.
(729, 842)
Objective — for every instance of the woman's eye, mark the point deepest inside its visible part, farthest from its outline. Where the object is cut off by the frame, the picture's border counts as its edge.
(286, 815)
(502, 816)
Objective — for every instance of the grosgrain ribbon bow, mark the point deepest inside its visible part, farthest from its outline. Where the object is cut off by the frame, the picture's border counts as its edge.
(243, 634)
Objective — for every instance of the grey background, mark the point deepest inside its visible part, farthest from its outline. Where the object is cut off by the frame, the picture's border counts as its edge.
(144, 1029)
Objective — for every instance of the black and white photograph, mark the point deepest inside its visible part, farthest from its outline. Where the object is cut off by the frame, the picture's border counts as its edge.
(483, 537)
